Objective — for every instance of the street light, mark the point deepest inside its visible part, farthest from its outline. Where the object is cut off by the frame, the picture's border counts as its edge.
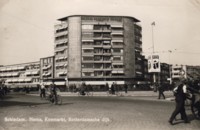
(154, 75)
(170, 75)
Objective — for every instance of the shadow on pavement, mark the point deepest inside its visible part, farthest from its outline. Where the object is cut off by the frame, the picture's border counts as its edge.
(67, 103)
(17, 103)
(190, 119)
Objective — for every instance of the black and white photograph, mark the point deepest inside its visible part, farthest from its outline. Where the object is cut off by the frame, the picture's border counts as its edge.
(99, 64)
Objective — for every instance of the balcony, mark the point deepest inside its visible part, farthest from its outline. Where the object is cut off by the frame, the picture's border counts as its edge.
(117, 33)
(61, 40)
(107, 46)
(117, 46)
(61, 26)
(98, 46)
(57, 34)
(138, 41)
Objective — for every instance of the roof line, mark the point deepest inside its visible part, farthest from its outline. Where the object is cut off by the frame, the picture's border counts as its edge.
(65, 18)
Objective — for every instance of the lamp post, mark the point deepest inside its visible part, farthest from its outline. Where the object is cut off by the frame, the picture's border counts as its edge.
(170, 74)
(154, 75)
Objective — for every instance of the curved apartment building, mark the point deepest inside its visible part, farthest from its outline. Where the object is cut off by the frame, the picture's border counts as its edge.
(98, 49)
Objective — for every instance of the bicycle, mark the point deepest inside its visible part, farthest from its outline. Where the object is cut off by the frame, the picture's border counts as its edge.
(54, 99)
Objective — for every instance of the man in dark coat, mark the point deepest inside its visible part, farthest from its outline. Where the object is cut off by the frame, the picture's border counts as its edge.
(180, 98)
(161, 90)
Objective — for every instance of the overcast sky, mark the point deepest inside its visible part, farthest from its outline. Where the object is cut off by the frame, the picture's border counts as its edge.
(27, 26)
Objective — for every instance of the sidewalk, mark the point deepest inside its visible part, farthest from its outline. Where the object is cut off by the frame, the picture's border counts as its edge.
(168, 94)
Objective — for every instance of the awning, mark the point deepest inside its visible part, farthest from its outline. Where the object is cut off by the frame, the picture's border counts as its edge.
(121, 41)
(87, 70)
(35, 72)
(60, 58)
(59, 83)
(87, 40)
(15, 74)
(14, 68)
(46, 74)
(8, 75)
(14, 80)
(28, 73)
(106, 41)
(62, 73)
(90, 48)
(2, 69)
(138, 72)
(60, 50)
(46, 67)
(20, 80)
(117, 71)
(62, 42)
(8, 69)
(60, 65)
(103, 82)
(117, 33)
(117, 26)
(118, 63)
(8, 80)
(28, 79)
(21, 67)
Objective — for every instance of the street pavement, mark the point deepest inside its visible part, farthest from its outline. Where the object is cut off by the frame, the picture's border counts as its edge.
(128, 112)
(168, 94)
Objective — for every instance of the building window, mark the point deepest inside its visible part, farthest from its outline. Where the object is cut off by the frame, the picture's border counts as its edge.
(98, 58)
(88, 51)
(89, 58)
(118, 66)
(98, 50)
(116, 58)
(87, 65)
(88, 74)
(117, 50)
(107, 58)
(87, 43)
(97, 43)
(98, 66)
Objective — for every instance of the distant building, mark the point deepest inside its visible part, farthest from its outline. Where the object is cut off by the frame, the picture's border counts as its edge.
(21, 75)
(179, 71)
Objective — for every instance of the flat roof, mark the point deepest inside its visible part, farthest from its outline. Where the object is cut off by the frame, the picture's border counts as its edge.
(65, 18)
(38, 62)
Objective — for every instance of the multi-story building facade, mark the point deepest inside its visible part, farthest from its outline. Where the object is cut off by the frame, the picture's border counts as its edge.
(97, 49)
(21, 75)
(47, 69)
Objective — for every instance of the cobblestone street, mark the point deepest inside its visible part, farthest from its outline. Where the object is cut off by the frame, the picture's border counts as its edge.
(22, 112)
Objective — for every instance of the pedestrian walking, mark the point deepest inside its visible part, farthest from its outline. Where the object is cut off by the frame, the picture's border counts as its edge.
(161, 91)
(113, 88)
(42, 91)
(126, 88)
(180, 98)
